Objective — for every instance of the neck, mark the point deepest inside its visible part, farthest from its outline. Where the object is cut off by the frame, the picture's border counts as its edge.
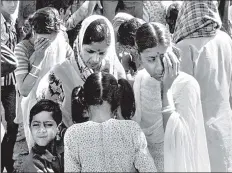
(41, 149)
(100, 115)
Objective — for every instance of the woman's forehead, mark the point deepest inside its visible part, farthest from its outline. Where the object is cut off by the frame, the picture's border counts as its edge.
(97, 46)
(155, 50)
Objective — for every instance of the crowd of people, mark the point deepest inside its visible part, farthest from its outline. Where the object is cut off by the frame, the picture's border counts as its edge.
(116, 86)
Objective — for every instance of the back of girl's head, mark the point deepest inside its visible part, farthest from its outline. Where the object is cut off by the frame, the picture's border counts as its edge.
(45, 21)
(97, 31)
(152, 34)
(101, 87)
(127, 30)
(47, 106)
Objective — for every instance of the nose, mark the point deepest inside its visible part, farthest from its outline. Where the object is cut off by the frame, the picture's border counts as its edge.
(42, 129)
(95, 59)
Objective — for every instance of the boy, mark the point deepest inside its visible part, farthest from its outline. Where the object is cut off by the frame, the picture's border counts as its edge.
(47, 155)
(8, 92)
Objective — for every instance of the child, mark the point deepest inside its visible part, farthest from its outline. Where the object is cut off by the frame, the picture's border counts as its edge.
(47, 153)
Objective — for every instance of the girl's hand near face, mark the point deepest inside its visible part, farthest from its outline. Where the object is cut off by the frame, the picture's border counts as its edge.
(40, 46)
(171, 70)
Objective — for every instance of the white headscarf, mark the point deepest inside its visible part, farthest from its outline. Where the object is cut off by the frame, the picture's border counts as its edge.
(110, 60)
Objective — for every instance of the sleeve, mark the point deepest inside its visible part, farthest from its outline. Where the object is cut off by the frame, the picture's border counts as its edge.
(186, 64)
(185, 145)
(71, 159)
(23, 60)
(143, 160)
(8, 60)
(77, 16)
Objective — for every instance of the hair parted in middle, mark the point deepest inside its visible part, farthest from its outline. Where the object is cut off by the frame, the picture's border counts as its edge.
(101, 87)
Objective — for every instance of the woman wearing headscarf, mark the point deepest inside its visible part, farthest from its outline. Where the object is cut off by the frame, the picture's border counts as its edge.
(206, 54)
(94, 51)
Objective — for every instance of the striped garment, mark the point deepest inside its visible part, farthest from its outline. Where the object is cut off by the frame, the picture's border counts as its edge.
(197, 19)
(8, 37)
(23, 52)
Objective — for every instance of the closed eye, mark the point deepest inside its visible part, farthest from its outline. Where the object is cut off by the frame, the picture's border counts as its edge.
(35, 125)
(90, 51)
(101, 53)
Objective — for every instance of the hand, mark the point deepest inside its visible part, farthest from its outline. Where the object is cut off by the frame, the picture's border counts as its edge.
(92, 5)
(40, 46)
(171, 70)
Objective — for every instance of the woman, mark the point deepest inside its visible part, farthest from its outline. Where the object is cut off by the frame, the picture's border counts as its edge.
(104, 144)
(183, 132)
(94, 51)
(36, 56)
(207, 53)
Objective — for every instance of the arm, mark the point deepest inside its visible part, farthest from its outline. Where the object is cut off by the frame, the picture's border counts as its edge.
(8, 60)
(79, 15)
(71, 159)
(27, 71)
(25, 81)
(143, 160)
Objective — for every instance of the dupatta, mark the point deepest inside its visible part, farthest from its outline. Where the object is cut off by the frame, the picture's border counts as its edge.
(110, 63)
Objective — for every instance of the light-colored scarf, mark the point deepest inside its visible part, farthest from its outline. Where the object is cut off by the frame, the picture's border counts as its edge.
(110, 61)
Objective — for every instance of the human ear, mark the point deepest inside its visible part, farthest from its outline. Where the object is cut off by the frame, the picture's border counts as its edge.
(61, 11)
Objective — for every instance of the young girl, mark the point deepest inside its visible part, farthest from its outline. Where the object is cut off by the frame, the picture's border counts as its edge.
(47, 153)
(104, 144)
(180, 124)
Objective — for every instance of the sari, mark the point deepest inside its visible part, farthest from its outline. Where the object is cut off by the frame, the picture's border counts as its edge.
(182, 147)
(74, 72)
(55, 54)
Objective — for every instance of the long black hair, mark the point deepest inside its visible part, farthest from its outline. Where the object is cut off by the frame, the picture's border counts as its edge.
(101, 87)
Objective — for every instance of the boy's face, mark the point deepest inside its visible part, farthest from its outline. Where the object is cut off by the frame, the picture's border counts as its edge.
(43, 128)
(9, 6)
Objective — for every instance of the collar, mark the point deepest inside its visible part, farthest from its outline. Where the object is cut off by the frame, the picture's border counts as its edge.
(47, 152)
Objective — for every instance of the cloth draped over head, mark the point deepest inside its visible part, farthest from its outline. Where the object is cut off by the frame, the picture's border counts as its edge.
(197, 19)
(110, 57)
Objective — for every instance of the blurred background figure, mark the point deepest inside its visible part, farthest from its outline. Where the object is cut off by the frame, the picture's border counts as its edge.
(171, 15)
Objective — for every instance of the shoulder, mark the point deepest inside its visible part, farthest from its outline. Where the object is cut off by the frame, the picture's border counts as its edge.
(77, 129)
(28, 165)
(130, 125)
(186, 81)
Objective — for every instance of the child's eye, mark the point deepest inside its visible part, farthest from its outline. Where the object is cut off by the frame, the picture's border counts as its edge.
(35, 125)
(90, 51)
(151, 60)
(101, 53)
(48, 125)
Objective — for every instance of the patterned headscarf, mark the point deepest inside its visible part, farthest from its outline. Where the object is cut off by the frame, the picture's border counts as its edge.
(197, 19)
